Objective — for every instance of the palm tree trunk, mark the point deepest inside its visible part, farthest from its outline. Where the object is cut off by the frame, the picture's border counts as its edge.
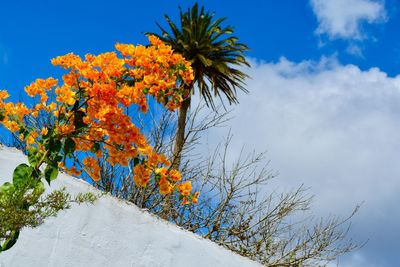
(177, 153)
(180, 134)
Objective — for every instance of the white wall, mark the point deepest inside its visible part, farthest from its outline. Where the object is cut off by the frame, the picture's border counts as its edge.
(109, 233)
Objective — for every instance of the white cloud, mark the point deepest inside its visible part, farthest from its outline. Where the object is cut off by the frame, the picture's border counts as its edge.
(355, 50)
(355, 260)
(344, 18)
(335, 128)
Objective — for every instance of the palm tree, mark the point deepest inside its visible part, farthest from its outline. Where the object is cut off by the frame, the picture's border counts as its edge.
(214, 55)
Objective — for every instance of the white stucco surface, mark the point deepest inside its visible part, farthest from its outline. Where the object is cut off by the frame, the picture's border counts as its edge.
(109, 233)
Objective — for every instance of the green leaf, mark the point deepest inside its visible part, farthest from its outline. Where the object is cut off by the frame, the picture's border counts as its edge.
(135, 161)
(38, 189)
(61, 116)
(50, 173)
(6, 187)
(6, 192)
(157, 177)
(34, 156)
(49, 133)
(54, 145)
(95, 147)
(36, 174)
(57, 157)
(78, 120)
(23, 131)
(10, 241)
(69, 146)
(76, 105)
(21, 175)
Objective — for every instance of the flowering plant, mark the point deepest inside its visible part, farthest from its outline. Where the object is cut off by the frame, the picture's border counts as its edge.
(89, 115)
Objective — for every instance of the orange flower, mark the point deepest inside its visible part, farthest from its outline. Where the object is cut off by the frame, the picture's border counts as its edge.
(4, 94)
(44, 131)
(175, 175)
(90, 106)
(142, 175)
(39, 87)
(154, 40)
(145, 150)
(30, 140)
(153, 159)
(185, 188)
(12, 126)
(164, 160)
(162, 171)
(65, 129)
(50, 107)
(184, 201)
(195, 197)
(165, 187)
(92, 168)
(73, 171)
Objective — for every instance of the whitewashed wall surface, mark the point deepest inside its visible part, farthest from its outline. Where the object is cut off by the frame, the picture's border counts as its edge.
(109, 233)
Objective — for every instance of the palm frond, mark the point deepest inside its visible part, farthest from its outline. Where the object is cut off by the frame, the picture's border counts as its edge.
(214, 53)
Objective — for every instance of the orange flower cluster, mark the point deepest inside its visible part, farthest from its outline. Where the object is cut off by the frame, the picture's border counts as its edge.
(142, 175)
(71, 171)
(90, 104)
(92, 168)
(40, 87)
(166, 183)
(11, 115)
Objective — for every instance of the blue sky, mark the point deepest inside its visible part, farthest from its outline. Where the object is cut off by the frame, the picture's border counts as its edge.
(33, 32)
(324, 90)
